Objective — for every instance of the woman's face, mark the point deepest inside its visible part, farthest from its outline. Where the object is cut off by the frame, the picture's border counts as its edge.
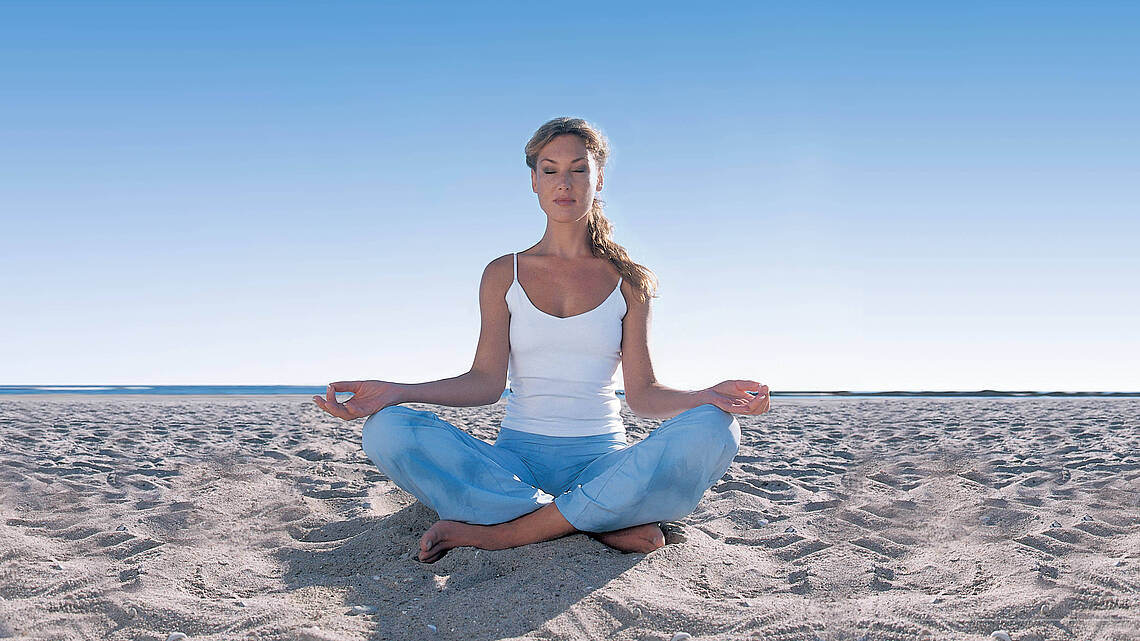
(566, 178)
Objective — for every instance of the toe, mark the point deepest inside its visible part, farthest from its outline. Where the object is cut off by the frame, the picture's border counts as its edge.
(431, 556)
(427, 541)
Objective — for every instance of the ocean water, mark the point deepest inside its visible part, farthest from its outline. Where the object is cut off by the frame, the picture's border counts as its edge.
(309, 390)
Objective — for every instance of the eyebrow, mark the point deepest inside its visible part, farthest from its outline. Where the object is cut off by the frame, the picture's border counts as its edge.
(556, 162)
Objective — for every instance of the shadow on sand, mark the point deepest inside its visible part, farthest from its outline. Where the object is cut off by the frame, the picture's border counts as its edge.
(469, 594)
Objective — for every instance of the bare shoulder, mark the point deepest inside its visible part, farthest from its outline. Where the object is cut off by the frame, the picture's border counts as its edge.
(499, 274)
(633, 304)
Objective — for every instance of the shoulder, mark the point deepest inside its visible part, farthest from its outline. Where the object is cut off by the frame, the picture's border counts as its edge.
(499, 274)
(635, 307)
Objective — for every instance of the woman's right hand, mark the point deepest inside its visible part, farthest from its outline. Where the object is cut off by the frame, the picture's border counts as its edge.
(368, 397)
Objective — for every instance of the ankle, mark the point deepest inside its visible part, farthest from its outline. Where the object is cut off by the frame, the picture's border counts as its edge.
(500, 537)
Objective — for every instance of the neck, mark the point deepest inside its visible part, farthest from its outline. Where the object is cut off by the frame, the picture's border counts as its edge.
(565, 240)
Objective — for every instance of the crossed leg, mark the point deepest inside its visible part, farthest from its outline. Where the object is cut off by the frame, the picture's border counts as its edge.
(619, 502)
(543, 524)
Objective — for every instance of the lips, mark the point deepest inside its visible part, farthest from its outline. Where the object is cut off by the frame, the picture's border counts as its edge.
(563, 201)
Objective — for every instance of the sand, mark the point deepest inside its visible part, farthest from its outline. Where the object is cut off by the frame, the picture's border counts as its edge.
(260, 518)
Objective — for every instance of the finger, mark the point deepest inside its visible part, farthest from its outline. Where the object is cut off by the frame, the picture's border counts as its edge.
(747, 386)
(761, 408)
(353, 409)
(345, 386)
(323, 404)
(749, 406)
(739, 400)
(336, 409)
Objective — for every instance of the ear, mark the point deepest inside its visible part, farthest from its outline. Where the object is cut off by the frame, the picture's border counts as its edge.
(601, 178)
(534, 181)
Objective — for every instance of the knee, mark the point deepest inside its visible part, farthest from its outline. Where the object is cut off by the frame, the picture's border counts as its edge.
(714, 428)
(387, 432)
(707, 441)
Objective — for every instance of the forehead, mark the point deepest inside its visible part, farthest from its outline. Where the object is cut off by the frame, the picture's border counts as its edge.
(564, 148)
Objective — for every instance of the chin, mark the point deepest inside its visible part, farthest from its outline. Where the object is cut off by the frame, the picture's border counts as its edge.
(566, 217)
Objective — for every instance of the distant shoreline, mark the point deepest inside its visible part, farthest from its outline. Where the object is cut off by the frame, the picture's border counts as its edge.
(281, 390)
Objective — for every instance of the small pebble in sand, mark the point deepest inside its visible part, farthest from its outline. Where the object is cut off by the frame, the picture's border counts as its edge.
(636, 612)
(1055, 524)
(1000, 635)
(681, 636)
(375, 577)
(364, 609)
(121, 528)
(431, 627)
(1087, 518)
(177, 636)
(761, 522)
(790, 529)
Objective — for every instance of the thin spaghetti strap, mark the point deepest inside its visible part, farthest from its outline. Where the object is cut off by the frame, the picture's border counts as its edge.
(516, 272)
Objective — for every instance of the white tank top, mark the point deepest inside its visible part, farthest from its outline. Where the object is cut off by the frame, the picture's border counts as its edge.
(562, 370)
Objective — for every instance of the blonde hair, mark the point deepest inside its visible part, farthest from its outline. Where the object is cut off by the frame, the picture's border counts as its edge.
(599, 228)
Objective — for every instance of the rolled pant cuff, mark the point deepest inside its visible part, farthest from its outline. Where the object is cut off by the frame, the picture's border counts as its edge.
(585, 514)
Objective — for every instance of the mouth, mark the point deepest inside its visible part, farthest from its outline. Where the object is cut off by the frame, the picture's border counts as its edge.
(563, 201)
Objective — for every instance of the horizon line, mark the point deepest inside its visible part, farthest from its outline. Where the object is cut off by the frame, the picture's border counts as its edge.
(307, 389)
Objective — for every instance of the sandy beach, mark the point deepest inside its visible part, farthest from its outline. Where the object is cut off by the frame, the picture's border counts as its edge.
(135, 517)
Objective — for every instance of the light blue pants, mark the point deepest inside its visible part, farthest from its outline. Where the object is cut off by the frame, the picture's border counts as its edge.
(599, 483)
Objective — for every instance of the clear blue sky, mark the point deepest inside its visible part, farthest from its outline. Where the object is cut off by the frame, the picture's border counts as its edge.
(834, 196)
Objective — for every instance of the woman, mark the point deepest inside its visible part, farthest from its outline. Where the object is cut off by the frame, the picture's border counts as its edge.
(560, 463)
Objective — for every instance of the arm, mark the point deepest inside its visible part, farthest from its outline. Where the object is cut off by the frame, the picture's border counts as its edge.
(644, 395)
(648, 398)
(484, 383)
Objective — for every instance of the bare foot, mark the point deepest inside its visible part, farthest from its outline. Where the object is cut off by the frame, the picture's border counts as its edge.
(543, 524)
(639, 538)
(443, 536)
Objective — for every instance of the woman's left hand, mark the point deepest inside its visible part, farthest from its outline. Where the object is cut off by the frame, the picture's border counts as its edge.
(733, 396)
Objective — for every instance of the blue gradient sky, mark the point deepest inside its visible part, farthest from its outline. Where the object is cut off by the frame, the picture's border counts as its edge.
(882, 196)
